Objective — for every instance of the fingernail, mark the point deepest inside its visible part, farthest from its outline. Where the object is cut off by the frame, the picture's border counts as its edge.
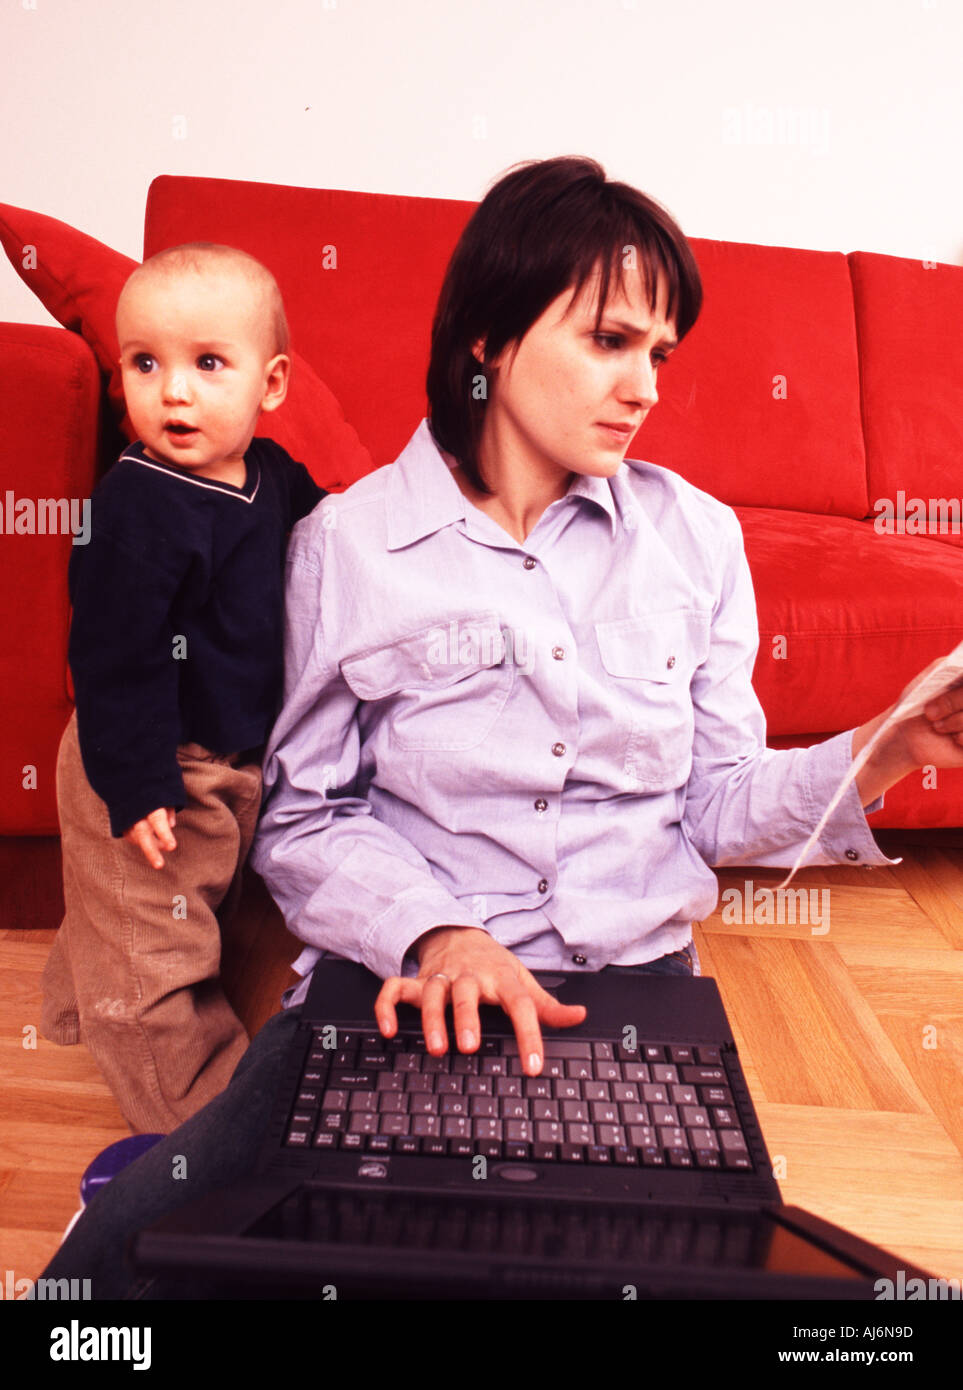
(435, 1042)
(468, 1041)
(534, 1061)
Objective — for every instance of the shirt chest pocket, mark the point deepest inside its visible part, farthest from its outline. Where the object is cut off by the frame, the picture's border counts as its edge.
(650, 663)
(441, 688)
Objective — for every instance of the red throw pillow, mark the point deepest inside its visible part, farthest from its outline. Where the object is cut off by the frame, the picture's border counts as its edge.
(79, 280)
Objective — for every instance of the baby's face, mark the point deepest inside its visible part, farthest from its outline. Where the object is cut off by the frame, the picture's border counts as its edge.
(197, 367)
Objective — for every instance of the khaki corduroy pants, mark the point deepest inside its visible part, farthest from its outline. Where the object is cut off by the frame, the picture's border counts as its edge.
(133, 972)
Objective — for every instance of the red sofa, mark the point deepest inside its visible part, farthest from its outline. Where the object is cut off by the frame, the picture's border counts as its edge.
(814, 387)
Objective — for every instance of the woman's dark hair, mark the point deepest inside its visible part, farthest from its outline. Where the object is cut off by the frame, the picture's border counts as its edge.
(545, 226)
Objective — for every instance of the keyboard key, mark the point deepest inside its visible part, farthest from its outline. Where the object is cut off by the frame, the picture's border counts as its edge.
(537, 1088)
(623, 1091)
(514, 1109)
(391, 1103)
(634, 1114)
(298, 1137)
(437, 1064)
(546, 1109)
(423, 1104)
(391, 1081)
(732, 1141)
(466, 1065)
(449, 1085)
(703, 1140)
(351, 1080)
(334, 1119)
(352, 1141)
(326, 1139)
(709, 1056)
(611, 1136)
(653, 1053)
(681, 1054)
(364, 1100)
(603, 1052)
(434, 1146)
(636, 1071)
(695, 1115)
(680, 1158)
(706, 1158)
(508, 1086)
(605, 1112)
(545, 1153)
(703, 1075)
(655, 1095)
(652, 1157)
(519, 1131)
(671, 1137)
(460, 1148)
(518, 1150)
(573, 1110)
(571, 1153)
(484, 1107)
(478, 1086)
(426, 1126)
(454, 1105)
(458, 1126)
(724, 1117)
(608, 1071)
(580, 1134)
(626, 1156)
(420, 1083)
(580, 1070)
(374, 1061)
(664, 1115)
(642, 1136)
(362, 1122)
(567, 1090)
(407, 1144)
(487, 1128)
(666, 1073)
(597, 1153)
(379, 1144)
(549, 1132)
(683, 1095)
(490, 1148)
(494, 1066)
(596, 1090)
(715, 1095)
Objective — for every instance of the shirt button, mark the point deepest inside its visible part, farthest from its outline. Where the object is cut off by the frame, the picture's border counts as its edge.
(852, 854)
(558, 749)
(529, 562)
(579, 960)
(543, 885)
(670, 663)
(558, 653)
(541, 804)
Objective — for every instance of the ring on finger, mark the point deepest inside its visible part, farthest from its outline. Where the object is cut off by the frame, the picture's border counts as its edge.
(437, 976)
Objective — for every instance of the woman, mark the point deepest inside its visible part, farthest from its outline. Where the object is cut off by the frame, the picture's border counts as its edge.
(519, 722)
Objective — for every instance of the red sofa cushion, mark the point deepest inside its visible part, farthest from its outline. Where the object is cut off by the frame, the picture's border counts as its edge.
(360, 275)
(862, 614)
(79, 279)
(771, 314)
(908, 318)
(48, 443)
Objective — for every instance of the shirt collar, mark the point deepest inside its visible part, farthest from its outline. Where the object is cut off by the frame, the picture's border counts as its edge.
(422, 496)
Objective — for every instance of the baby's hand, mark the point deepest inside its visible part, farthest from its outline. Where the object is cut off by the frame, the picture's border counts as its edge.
(152, 834)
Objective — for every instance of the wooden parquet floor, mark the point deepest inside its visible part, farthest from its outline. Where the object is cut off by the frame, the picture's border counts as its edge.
(851, 1039)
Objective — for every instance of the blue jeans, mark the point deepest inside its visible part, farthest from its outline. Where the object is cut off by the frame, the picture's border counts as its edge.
(214, 1148)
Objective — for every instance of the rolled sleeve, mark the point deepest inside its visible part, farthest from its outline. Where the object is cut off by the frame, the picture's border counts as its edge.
(745, 803)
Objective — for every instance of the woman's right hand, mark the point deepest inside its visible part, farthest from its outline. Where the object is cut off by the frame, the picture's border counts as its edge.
(471, 967)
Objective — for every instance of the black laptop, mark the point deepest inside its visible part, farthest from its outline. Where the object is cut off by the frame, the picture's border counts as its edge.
(632, 1167)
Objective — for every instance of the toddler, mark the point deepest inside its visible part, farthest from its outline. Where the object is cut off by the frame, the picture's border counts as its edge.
(176, 651)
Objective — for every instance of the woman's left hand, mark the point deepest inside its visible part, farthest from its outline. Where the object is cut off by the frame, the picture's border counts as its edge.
(935, 737)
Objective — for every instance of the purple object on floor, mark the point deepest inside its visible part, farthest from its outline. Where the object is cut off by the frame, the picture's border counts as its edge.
(111, 1160)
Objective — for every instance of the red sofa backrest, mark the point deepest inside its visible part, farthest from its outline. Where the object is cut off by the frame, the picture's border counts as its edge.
(760, 407)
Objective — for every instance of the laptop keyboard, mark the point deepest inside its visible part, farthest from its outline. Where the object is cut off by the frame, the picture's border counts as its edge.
(662, 1105)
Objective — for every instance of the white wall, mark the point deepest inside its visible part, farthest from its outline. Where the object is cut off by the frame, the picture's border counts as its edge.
(835, 124)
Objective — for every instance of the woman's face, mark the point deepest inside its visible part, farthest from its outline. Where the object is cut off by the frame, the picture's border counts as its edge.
(571, 397)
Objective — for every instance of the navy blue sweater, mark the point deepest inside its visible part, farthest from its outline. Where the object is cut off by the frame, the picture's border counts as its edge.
(177, 633)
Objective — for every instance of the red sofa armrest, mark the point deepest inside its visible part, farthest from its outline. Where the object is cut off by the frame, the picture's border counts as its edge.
(49, 431)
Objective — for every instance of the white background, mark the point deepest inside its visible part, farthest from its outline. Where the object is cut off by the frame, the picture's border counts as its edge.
(834, 124)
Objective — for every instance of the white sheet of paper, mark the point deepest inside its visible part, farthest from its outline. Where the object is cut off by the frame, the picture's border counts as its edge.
(925, 688)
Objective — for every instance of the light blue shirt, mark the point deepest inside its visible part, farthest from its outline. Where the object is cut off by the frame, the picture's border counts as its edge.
(552, 740)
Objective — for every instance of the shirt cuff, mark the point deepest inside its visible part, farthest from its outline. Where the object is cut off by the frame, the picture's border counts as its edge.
(846, 836)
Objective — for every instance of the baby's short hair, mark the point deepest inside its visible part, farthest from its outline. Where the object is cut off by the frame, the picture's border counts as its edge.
(197, 255)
